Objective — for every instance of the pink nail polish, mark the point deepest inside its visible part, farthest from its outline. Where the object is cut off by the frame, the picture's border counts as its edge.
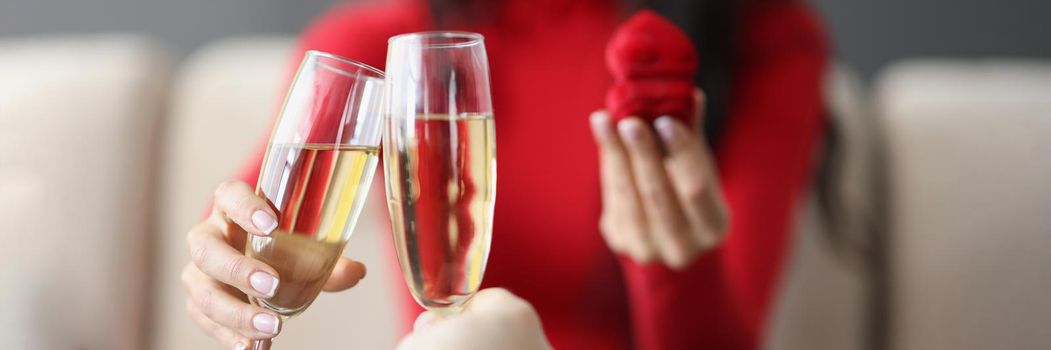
(630, 129)
(666, 128)
(266, 323)
(600, 124)
(263, 282)
(264, 222)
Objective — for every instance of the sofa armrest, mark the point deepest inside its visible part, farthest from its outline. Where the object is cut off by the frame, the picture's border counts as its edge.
(78, 117)
(968, 146)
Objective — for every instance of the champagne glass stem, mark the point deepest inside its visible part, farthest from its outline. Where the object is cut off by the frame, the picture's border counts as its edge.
(262, 344)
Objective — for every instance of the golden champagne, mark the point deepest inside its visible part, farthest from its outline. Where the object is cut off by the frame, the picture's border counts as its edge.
(317, 191)
(441, 183)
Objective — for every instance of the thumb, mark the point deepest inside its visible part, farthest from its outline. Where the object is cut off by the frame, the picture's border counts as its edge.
(425, 321)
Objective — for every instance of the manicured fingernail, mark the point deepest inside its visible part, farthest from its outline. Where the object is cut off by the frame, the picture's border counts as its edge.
(600, 124)
(630, 129)
(240, 346)
(266, 323)
(666, 128)
(264, 222)
(264, 283)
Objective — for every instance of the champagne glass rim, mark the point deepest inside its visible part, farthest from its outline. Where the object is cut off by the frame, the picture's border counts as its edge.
(316, 53)
(470, 38)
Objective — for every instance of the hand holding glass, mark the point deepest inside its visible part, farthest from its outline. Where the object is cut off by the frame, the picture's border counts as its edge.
(315, 175)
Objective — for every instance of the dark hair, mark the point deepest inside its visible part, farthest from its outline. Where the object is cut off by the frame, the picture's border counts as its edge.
(711, 24)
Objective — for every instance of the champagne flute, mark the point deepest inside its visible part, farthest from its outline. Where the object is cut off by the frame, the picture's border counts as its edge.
(315, 175)
(440, 162)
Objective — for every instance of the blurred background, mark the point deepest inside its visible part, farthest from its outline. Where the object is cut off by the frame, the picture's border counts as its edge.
(867, 34)
(943, 112)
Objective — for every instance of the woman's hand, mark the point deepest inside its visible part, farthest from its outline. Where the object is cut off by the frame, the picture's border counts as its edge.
(494, 319)
(660, 192)
(220, 275)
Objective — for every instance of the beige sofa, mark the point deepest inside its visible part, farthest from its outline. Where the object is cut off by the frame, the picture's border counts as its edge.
(110, 152)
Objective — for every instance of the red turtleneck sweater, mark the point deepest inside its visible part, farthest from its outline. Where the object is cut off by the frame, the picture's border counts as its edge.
(548, 74)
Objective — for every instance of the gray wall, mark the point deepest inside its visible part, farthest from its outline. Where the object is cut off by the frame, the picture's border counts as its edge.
(183, 23)
(867, 33)
(871, 33)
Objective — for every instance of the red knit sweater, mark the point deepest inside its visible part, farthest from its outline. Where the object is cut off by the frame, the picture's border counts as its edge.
(548, 74)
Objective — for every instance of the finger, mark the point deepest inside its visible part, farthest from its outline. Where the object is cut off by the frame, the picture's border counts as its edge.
(690, 168)
(496, 301)
(668, 227)
(236, 202)
(425, 321)
(345, 275)
(500, 306)
(620, 223)
(701, 102)
(226, 310)
(226, 336)
(213, 256)
(623, 223)
(489, 298)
